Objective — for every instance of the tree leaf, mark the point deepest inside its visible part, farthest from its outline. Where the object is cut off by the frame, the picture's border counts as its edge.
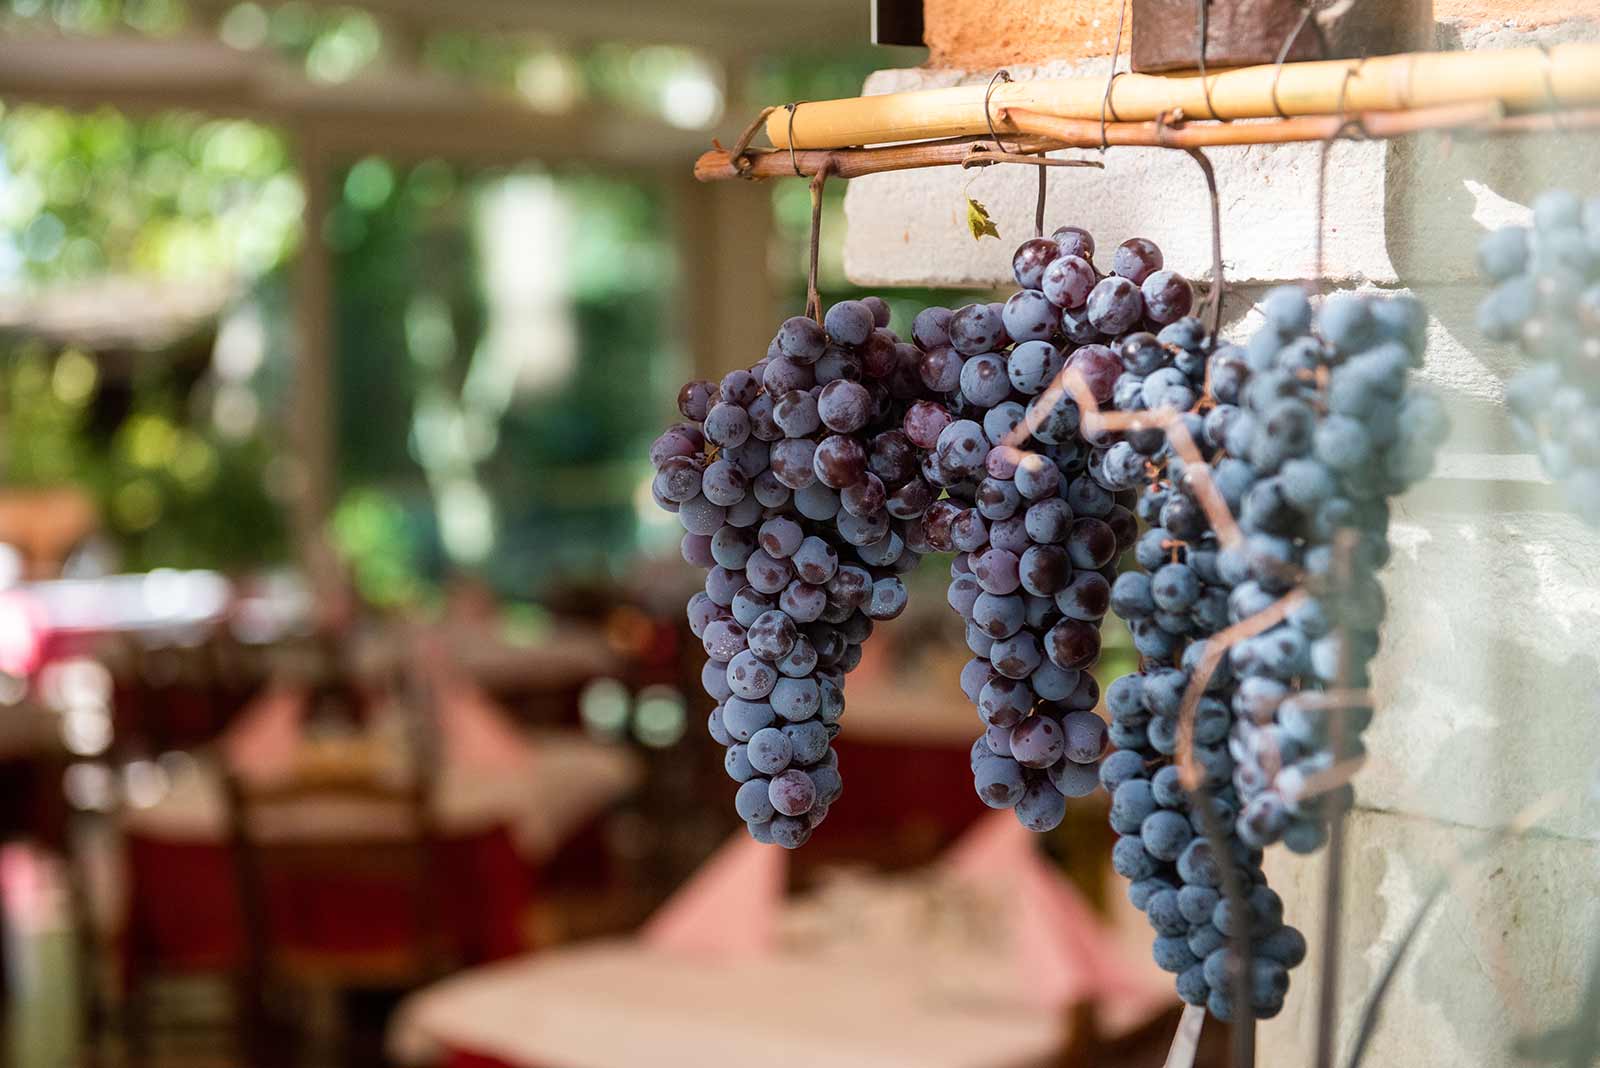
(979, 222)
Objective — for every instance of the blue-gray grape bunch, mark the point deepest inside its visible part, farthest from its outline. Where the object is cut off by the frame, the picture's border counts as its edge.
(1304, 434)
(1546, 299)
(1332, 427)
(1036, 523)
(795, 485)
(1173, 602)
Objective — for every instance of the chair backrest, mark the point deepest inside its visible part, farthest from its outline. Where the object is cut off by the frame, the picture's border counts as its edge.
(337, 865)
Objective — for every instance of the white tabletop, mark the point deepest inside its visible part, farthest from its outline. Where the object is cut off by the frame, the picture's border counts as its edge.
(564, 782)
(625, 1004)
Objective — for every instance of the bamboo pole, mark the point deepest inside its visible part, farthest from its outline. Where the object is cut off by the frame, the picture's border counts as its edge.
(1046, 133)
(1521, 79)
(853, 163)
(1083, 133)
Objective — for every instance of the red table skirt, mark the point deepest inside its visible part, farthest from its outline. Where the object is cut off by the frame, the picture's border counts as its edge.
(464, 1059)
(184, 912)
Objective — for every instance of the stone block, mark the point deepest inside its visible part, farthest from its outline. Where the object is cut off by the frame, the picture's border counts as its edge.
(1503, 953)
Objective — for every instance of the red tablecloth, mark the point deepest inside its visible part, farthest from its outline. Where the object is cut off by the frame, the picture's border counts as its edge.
(183, 907)
(464, 1059)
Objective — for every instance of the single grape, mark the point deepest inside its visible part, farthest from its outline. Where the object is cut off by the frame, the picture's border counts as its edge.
(1135, 259)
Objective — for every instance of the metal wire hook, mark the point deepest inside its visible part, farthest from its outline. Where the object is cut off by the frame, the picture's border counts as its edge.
(1550, 88)
(1001, 75)
(1283, 55)
(793, 160)
(1200, 25)
(1105, 99)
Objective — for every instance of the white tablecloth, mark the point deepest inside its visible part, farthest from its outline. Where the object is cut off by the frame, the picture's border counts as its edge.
(566, 780)
(626, 1005)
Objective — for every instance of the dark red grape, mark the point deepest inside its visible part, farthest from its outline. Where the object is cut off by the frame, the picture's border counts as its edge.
(792, 460)
(881, 312)
(1072, 644)
(801, 338)
(740, 387)
(844, 406)
(1099, 368)
(763, 426)
(796, 413)
(1167, 297)
(1044, 570)
(1114, 305)
(839, 461)
(837, 363)
(893, 458)
(864, 498)
(940, 369)
(1091, 544)
(696, 398)
(848, 322)
(1136, 259)
(930, 329)
(879, 354)
(1030, 260)
(1074, 241)
(924, 422)
(976, 328)
(910, 501)
(1068, 281)
(784, 374)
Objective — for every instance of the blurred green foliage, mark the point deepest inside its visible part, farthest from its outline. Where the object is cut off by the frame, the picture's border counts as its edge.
(473, 434)
(172, 198)
(539, 427)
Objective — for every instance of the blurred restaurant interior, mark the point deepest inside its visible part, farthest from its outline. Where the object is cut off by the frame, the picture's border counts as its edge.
(332, 339)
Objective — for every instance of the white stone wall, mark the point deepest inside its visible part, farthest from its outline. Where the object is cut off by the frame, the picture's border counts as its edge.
(1488, 684)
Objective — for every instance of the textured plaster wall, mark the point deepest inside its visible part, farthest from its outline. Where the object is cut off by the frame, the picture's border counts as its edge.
(1488, 685)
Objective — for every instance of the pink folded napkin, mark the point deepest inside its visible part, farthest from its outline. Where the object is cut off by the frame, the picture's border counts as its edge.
(263, 741)
(477, 733)
(1064, 952)
(729, 906)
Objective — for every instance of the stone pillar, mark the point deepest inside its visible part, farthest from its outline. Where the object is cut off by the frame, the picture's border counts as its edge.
(1488, 683)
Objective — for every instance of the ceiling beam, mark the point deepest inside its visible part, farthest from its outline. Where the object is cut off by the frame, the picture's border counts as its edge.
(387, 112)
(718, 25)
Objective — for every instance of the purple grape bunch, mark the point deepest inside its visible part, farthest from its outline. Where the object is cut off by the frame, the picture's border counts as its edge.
(795, 487)
(1028, 507)
(808, 484)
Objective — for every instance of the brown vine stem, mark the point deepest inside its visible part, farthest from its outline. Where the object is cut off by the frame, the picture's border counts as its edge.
(1048, 133)
(813, 298)
(1344, 550)
(1217, 647)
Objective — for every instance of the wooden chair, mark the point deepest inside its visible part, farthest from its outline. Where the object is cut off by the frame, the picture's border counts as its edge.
(346, 826)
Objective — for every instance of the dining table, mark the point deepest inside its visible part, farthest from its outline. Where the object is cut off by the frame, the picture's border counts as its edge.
(620, 1004)
(495, 826)
(974, 961)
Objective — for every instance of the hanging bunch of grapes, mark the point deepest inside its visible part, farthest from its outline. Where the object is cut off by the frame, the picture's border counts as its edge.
(1039, 440)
